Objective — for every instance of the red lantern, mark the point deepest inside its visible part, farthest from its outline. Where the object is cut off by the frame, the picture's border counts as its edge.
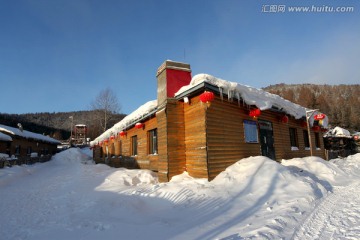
(255, 113)
(112, 137)
(207, 97)
(122, 133)
(139, 125)
(284, 119)
(316, 128)
(319, 116)
(100, 144)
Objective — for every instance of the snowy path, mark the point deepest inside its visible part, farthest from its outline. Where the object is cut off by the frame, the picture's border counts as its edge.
(335, 217)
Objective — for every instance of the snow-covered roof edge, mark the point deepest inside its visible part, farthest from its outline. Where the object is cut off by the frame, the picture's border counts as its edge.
(338, 132)
(27, 134)
(4, 137)
(130, 119)
(252, 96)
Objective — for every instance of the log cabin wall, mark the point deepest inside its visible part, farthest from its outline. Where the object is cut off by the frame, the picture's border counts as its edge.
(195, 138)
(225, 137)
(118, 151)
(176, 137)
(23, 147)
(163, 166)
(5, 147)
(171, 135)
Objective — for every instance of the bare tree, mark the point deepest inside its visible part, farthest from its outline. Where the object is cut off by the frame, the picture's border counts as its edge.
(106, 104)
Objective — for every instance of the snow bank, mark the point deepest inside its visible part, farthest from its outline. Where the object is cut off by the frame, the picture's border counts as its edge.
(127, 121)
(324, 172)
(27, 134)
(69, 197)
(252, 96)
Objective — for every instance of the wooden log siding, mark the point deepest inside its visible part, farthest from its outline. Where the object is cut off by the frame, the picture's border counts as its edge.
(119, 149)
(195, 138)
(226, 139)
(171, 140)
(225, 136)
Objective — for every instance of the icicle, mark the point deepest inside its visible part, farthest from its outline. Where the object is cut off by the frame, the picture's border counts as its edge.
(221, 93)
(230, 95)
(238, 97)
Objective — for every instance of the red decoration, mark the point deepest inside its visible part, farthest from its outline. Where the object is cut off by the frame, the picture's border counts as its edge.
(319, 116)
(112, 137)
(139, 125)
(207, 97)
(100, 144)
(284, 119)
(106, 140)
(316, 128)
(303, 124)
(255, 113)
(122, 133)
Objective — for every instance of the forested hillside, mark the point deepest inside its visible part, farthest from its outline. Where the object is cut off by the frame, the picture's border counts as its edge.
(340, 102)
(58, 125)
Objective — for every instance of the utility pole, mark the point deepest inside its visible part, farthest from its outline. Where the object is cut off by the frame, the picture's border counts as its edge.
(309, 114)
(71, 128)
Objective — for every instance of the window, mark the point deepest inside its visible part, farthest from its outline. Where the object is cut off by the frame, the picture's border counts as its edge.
(29, 150)
(317, 140)
(306, 139)
(152, 140)
(134, 149)
(17, 150)
(293, 137)
(250, 131)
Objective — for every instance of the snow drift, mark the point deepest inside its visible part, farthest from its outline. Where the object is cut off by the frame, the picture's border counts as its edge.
(256, 198)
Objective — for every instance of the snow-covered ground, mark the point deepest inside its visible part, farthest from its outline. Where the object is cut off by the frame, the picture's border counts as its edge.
(256, 198)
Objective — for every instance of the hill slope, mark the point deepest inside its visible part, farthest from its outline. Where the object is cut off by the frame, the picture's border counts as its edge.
(340, 102)
(57, 125)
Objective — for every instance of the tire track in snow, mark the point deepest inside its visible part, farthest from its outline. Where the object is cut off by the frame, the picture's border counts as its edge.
(336, 216)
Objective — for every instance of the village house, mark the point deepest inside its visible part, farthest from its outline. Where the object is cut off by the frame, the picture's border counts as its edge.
(204, 124)
(21, 146)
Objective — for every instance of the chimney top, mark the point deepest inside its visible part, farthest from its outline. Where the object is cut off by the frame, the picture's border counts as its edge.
(169, 64)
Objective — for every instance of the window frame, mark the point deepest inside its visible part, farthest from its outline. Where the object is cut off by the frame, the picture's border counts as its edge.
(152, 141)
(306, 139)
(134, 145)
(251, 131)
(294, 140)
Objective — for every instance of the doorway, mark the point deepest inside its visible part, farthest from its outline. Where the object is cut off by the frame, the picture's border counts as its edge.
(266, 139)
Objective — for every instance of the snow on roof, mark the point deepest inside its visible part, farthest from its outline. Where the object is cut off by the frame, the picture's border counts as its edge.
(338, 132)
(127, 121)
(4, 137)
(27, 134)
(252, 96)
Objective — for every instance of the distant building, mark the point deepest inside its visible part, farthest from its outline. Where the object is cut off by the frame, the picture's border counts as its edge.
(80, 133)
(23, 146)
(204, 124)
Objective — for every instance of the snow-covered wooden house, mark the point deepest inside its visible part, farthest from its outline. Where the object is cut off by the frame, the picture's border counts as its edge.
(24, 146)
(203, 125)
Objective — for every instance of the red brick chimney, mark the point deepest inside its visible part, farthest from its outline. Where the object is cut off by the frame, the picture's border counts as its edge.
(171, 76)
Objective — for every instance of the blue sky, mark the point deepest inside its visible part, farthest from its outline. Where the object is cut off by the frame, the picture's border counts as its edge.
(56, 56)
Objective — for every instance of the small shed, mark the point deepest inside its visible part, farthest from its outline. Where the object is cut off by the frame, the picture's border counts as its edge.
(339, 143)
